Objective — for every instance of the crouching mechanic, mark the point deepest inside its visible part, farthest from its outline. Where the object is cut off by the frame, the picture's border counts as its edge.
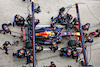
(5, 45)
(29, 57)
(37, 10)
(61, 17)
(69, 17)
(29, 20)
(20, 53)
(38, 48)
(19, 20)
(66, 51)
(88, 39)
(75, 21)
(52, 64)
(98, 31)
(5, 28)
(54, 47)
(86, 26)
(75, 54)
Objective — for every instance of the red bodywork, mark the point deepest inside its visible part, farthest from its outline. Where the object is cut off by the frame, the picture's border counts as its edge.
(24, 38)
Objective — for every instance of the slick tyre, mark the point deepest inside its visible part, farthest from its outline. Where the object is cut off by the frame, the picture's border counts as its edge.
(28, 45)
(72, 43)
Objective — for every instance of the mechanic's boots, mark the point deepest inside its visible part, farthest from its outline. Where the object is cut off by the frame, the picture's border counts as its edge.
(10, 32)
(85, 41)
(51, 18)
(62, 9)
(50, 48)
(37, 10)
(54, 50)
(6, 53)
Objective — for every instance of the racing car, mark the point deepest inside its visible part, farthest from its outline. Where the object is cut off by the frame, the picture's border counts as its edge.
(47, 35)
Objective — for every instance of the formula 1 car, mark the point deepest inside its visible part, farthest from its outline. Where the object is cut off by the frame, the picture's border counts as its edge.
(43, 35)
(48, 35)
(5, 28)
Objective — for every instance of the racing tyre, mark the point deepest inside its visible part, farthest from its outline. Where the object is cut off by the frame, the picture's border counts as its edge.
(72, 43)
(28, 45)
